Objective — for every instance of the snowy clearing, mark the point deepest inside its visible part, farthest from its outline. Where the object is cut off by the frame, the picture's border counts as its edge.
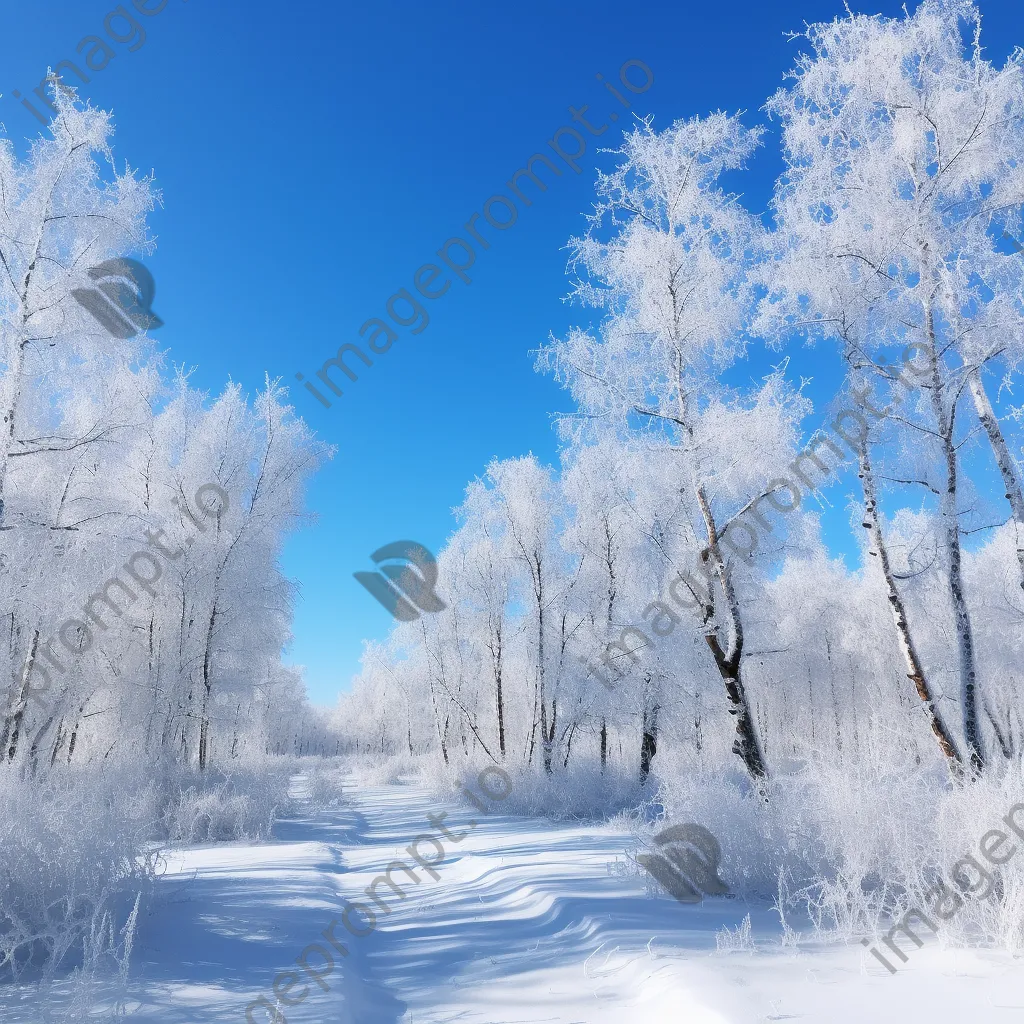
(527, 924)
(706, 705)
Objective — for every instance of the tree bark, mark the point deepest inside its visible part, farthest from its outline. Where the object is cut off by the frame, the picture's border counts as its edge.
(496, 663)
(18, 717)
(1007, 466)
(545, 735)
(945, 423)
(746, 745)
(649, 741)
(915, 671)
(204, 726)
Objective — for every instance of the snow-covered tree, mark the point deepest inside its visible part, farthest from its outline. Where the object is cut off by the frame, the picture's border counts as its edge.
(903, 149)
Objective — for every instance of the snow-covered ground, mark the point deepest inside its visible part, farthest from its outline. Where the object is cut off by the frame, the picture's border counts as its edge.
(526, 924)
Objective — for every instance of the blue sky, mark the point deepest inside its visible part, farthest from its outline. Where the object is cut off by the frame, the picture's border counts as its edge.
(311, 159)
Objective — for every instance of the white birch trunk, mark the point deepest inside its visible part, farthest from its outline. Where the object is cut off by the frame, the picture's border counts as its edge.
(1007, 467)
(945, 422)
(915, 671)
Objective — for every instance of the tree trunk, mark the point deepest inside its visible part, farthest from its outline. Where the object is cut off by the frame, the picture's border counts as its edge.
(58, 742)
(810, 704)
(915, 671)
(746, 745)
(945, 424)
(204, 726)
(73, 741)
(19, 715)
(649, 741)
(33, 754)
(1007, 466)
(545, 736)
(568, 745)
(499, 699)
(1004, 739)
(234, 738)
(835, 713)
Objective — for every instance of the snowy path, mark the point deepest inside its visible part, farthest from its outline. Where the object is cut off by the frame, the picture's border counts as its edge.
(525, 925)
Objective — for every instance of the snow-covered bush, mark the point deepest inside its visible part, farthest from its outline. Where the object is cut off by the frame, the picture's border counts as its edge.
(71, 847)
(144, 610)
(579, 792)
(845, 849)
(383, 771)
(325, 781)
(219, 805)
(735, 940)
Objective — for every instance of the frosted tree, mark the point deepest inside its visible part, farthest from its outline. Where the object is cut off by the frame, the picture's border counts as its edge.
(140, 532)
(67, 393)
(529, 503)
(484, 574)
(903, 149)
(60, 218)
(668, 254)
(600, 529)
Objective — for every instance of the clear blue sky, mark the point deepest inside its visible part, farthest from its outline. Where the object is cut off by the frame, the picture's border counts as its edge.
(311, 158)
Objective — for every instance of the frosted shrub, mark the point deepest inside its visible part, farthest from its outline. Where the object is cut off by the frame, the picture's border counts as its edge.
(383, 771)
(70, 846)
(852, 846)
(79, 848)
(324, 782)
(735, 940)
(217, 805)
(580, 792)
